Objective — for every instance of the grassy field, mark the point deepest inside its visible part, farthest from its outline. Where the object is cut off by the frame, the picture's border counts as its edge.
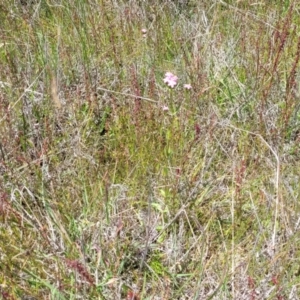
(149, 150)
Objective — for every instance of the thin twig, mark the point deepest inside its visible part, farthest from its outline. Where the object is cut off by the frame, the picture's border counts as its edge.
(126, 94)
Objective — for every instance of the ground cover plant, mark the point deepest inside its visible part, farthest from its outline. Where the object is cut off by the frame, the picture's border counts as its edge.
(149, 149)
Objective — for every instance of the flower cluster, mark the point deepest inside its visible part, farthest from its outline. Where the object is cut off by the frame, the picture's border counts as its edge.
(170, 79)
(187, 86)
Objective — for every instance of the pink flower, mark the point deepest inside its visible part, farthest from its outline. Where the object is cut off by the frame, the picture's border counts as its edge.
(144, 32)
(165, 108)
(170, 79)
(187, 86)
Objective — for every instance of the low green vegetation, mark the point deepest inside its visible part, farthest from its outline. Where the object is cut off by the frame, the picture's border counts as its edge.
(149, 149)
